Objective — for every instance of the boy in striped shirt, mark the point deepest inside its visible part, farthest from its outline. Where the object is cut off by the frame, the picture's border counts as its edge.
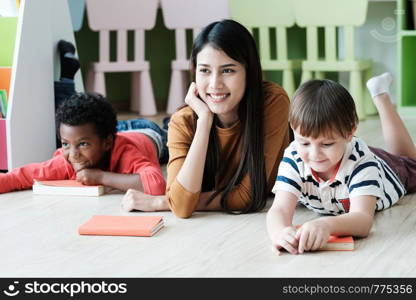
(332, 172)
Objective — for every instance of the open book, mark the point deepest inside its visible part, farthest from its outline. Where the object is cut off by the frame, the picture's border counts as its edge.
(66, 187)
(122, 225)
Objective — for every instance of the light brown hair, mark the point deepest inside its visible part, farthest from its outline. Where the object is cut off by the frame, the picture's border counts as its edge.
(321, 107)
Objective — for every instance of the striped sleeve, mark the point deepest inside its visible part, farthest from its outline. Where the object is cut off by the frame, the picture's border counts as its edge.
(288, 176)
(366, 180)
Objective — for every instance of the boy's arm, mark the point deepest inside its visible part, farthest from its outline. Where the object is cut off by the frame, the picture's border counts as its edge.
(121, 182)
(279, 222)
(132, 166)
(22, 178)
(357, 222)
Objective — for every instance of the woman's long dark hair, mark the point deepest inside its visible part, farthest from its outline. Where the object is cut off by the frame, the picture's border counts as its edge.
(236, 41)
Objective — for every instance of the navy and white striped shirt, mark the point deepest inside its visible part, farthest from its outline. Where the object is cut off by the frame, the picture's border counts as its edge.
(360, 173)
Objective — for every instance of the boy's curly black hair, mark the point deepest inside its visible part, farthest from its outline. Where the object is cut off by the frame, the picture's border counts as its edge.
(84, 108)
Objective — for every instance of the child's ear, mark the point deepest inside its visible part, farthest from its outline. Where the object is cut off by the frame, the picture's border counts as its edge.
(354, 129)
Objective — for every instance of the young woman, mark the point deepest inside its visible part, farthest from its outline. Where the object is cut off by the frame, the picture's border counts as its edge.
(225, 145)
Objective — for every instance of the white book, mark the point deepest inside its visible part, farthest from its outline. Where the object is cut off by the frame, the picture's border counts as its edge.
(66, 187)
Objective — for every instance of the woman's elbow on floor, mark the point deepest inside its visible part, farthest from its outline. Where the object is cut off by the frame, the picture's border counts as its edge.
(182, 215)
(180, 212)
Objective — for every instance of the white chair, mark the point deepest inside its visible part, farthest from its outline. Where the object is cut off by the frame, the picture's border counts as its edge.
(123, 15)
(180, 15)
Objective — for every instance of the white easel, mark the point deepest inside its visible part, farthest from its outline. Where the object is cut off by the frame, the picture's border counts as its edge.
(30, 122)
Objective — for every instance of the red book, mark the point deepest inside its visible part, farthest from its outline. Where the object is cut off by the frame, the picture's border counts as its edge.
(339, 243)
(122, 225)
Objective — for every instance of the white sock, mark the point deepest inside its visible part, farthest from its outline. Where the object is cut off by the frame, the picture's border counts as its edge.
(379, 84)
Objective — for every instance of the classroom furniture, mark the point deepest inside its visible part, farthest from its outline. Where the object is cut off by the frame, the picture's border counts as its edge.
(332, 15)
(183, 15)
(8, 27)
(266, 15)
(3, 145)
(120, 16)
(5, 77)
(30, 123)
(406, 52)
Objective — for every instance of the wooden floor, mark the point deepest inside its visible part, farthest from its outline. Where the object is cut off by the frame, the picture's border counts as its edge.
(39, 239)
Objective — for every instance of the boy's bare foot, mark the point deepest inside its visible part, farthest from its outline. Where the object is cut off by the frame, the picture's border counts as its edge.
(379, 84)
(136, 200)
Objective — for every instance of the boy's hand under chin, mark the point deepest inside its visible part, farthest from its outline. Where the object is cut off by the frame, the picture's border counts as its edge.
(90, 176)
(79, 166)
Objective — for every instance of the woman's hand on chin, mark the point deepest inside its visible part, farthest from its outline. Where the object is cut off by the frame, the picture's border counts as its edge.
(198, 106)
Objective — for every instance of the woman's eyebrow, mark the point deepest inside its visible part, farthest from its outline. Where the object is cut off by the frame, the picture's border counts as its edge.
(228, 65)
(222, 66)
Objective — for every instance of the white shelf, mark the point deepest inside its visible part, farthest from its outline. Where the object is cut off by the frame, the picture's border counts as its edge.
(30, 123)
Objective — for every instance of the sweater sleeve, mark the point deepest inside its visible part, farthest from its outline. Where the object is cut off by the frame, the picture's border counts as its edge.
(129, 158)
(180, 134)
(275, 142)
(150, 175)
(22, 178)
(153, 181)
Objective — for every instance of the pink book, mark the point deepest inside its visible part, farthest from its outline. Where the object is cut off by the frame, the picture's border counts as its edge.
(122, 225)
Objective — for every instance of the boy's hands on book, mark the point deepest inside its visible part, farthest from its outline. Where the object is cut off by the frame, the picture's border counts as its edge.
(90, 176)
(312, 236)
(286, 239)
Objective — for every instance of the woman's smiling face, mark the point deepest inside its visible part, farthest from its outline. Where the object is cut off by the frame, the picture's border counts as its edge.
(221, 83)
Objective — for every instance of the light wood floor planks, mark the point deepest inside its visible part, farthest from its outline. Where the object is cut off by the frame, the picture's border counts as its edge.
(39, 239)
